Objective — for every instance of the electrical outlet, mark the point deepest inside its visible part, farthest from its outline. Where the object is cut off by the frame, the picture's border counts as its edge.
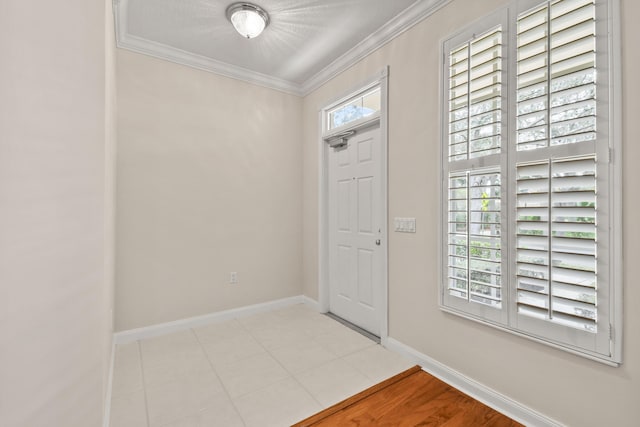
(233, 278)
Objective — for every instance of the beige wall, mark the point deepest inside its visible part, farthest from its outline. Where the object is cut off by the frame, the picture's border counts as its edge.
(567, 388)
(55, 330)
(208, 182)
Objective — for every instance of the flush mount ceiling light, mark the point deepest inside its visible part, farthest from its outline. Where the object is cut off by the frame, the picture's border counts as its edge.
(248, 19)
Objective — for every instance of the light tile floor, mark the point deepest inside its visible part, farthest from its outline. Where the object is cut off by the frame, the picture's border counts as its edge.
(271, 369)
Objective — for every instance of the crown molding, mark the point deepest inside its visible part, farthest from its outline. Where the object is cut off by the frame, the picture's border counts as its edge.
(399, 24)
(204, 63)
(127, 41)
(415, 13)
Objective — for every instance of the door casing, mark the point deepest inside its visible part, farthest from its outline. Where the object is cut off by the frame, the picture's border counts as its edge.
(379, 79)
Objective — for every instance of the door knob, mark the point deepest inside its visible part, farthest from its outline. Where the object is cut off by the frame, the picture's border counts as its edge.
(378, 242)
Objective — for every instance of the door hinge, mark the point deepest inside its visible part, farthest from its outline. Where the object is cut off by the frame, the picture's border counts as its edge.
(610, 332)
(609, 155)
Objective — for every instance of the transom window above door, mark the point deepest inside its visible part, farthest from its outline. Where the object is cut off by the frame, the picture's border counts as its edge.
(353, 109)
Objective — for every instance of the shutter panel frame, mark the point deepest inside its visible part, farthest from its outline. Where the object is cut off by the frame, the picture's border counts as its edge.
(474, 150)
(568, 142)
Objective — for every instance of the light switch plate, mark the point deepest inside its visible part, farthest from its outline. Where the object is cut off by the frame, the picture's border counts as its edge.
(404, 225)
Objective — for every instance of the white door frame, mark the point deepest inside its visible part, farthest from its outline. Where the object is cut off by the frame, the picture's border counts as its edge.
(380, 79)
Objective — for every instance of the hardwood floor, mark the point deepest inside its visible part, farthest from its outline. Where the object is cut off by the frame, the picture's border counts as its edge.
(412, 398)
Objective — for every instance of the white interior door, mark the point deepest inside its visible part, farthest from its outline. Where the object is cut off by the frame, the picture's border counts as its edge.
(355, 230)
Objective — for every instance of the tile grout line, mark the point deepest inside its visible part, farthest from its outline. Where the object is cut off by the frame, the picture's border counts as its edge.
(291, 374)
(266, 351)
(345, 326)
(315, 399)
(336, 357)
(271, 355)
(294, 378)
(224, 387)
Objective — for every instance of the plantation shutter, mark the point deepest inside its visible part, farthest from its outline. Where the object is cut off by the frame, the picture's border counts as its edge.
(528, 180)
(475, 97)
(556, 75)
(474, 68)
(556, 242)
(556, 176)
(475, 237)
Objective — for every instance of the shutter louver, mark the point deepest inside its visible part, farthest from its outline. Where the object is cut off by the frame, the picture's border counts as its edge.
(475, 90)
(475, 237)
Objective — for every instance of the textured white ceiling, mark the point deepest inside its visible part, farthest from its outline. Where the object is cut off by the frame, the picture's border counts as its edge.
(303, 38)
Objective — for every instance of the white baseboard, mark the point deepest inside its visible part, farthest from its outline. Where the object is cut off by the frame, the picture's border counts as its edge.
(480, 392)
(311, 303)
(194, 322)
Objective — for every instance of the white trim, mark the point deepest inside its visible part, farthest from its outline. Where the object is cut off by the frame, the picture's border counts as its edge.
(406, 19)
(179, 56)
(380, 78)
(311, 303)
(615, 137)
(478, 391)
(106, 416)
(384, 216)
(323, 223)
(193, 322)
(523, 334)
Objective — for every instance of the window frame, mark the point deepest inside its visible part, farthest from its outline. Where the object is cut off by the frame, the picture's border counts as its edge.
(608, 117)
(368, 90)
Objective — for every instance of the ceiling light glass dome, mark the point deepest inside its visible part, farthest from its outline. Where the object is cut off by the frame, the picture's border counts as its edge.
(248, 19)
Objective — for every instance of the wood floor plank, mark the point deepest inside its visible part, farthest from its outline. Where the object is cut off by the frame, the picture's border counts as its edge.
(357, 398)
(412, 398)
